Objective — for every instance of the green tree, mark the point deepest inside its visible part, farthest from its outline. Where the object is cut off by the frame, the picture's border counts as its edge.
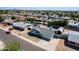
(13, 17)
(1, 18)
(58, 23)
(31, 19)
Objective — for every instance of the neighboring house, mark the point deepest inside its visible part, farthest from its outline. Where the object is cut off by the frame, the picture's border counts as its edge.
(8, 21)
(62, 17)
(21, 18)
(74, 25)
(38, 21)
(42, 32)
(20, 25)
(73, 38)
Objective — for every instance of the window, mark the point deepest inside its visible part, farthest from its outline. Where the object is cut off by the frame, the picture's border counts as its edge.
(35, 31)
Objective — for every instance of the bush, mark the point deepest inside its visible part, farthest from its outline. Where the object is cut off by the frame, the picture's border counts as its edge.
(31, 20)
(58, 23)
(13, 17)
(12, 46)
(1, 18)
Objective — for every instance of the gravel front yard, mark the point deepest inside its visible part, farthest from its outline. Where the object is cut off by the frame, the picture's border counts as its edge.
(24, 34)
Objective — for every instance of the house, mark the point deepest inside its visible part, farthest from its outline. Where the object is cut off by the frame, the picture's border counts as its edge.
(65, 17)
(44, 33)
(20, 25)
(8, 21)
(21, 18)
(74, 25)
(73, 39)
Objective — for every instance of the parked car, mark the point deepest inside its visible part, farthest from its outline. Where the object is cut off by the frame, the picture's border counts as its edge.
(35, 33)
(8, 32)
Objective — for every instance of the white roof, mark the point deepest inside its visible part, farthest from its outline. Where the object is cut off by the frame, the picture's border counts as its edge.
(73, 36)
(73, 24)
(21, 24)
(65, 17)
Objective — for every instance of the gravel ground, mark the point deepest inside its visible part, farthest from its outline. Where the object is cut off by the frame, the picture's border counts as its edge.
(24, 34)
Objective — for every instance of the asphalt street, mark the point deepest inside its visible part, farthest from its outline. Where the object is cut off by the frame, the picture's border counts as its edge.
(25, 46)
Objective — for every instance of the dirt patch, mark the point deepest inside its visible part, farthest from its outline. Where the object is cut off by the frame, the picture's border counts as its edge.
(24, 34)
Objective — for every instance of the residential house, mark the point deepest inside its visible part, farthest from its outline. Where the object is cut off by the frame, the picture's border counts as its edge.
(73, 39)
(44, 33)
(65, 17)
(8, 20)
(21, 18)
(74, 25)
(20, 25)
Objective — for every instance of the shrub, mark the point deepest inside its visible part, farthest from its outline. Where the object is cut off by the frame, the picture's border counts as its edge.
(12, 46)
(1, 18)
(58, 23)
(13, 17)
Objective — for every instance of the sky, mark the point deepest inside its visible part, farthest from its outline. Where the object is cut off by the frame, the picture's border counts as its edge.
(43, 8)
